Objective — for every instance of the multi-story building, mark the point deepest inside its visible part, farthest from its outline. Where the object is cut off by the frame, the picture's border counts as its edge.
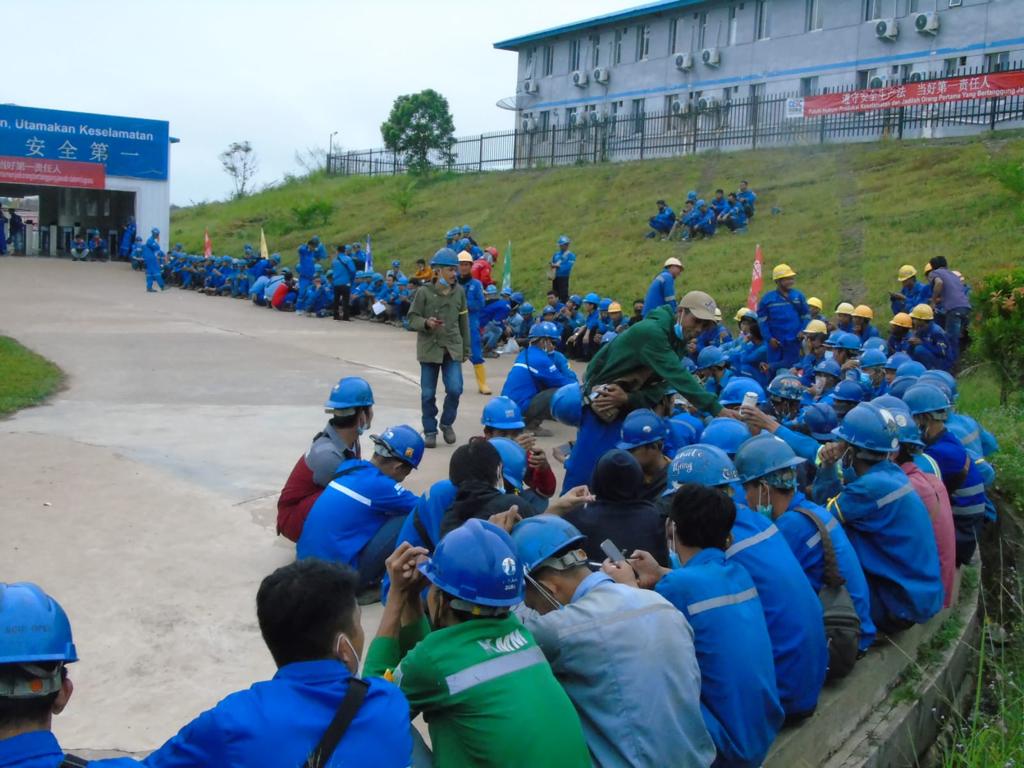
(666, 56)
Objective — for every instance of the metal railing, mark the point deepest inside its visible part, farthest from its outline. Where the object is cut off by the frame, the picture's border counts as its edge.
(700, 125)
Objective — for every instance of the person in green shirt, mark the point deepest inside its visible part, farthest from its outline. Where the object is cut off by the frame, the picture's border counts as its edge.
(476, 673)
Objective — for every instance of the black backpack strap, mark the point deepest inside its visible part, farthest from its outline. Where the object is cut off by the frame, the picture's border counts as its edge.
(346, 713)
(831, 577)
(74, 761)
(421, 530)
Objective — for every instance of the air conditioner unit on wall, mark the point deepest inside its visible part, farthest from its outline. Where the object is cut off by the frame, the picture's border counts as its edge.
(528, 124)
(927, 23)
(878, 81)
(712, 57)
(531, 86)
(707, 103)
(684, 61)
(680, 107)
(916, 77)
(601, 75)
(579, 78)
(887, 29)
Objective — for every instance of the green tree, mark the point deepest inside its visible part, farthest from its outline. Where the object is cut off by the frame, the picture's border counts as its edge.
(420, 123)
(240, 163)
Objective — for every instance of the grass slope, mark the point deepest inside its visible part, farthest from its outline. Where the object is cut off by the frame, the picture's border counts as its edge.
(26, 378)
(850, 216)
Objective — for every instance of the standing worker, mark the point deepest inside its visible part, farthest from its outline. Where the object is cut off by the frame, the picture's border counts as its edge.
(475, 304)
(949, 297)
(151, 254)
(440, 317)
(343, 271)
(663, 287)
(783, 313)
(561, 266)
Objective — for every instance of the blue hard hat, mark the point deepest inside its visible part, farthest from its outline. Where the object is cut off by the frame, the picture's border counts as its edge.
(608, 337)
(701, 203)
(820, 419)
(466, 229)
(898, 387)
(403, 280)
(396, 263)
(506, 292)
(349, 392)
(315, 238)
(526, 309)
(513, 461)
(908, 429)
(477, 563)
(874, 342)
(869, 427)
(502, 413)
(491, 290)
(318, 268)
(445, 258)
(925, 398)
(155, 230)
(545, 330)
(688, 364)
(567, 405)
(786, 386)
(701, 464)
(694, 424)
(548, 310)
(450, 234)
(848, 391)
(604, 304)
(33, 627)
(940, 379)
(518, 297)
(592, 298)
(832, 340)
(725, 433)
(402, 442)
(847, 341)
(276, 258)
(733, 392)
(829, 368)
(691, 195)
(642, 427)
(539, 538)
(178, 245)
(763, 454)
(576, 299)
(709, 357)
(872, 358)
(911, 368)
(247, 248)
(563, 240)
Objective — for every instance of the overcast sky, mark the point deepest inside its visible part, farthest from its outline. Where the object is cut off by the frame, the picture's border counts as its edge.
(283, 75)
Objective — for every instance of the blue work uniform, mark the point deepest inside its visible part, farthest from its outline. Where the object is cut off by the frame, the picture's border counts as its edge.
(279, 722)
(35, 749)
(307, 266)
(563, 263)
(895, 344)
(867, 332)
(737, 215)
(715, 336)
(966, 490)
(792, 611)
(422, 526)
(805, 543)
(663, 220)
(354, 506)
(746, 358)
(593, 439)
(748, 198)
(934, 351)
(919, 293)
(661, 292)
(782, 318)
(475, 303)
(343, 270)
(889, 527)
(738, 697)
(151, 255)
(719, 205)
(534, 371)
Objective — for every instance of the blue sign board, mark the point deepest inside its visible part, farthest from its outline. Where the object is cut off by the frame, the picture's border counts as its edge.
(127, 146)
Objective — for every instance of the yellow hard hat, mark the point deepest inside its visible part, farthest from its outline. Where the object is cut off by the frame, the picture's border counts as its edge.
(815, 302)
(927, 267)
(743, 312)
(816, 326)
(906, 272)
(846, 308)
(782, 271)
(672, 261)
(614, 307)
(902, 320)
(922, 312)
(863, 310)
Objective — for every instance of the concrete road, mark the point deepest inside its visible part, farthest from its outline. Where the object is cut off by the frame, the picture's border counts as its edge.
(143, 495)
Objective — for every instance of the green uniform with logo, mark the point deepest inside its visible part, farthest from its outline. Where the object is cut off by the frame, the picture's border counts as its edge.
(487, 693)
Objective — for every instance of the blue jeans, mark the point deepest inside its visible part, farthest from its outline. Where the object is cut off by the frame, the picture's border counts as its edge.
(956, 320)
(370, 562)
(451, 372)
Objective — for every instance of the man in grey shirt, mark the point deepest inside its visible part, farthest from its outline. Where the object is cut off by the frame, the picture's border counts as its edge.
(949, 297)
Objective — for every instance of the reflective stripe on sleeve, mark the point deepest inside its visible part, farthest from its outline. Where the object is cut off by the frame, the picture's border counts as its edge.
(972, 490)
(750, 541)
(492, 669)
(720, 602)
(816, 538)
(972, 511)
(350, 493)
(524, 365)
(897, 494)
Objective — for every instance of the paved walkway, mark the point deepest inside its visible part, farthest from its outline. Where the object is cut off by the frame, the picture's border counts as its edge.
(143, 495)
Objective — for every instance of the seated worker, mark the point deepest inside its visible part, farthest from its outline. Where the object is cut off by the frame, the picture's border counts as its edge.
(684, 220)
(747, 197)
(843, 317)
(619, 513)
(826, 375)
(643, 435)
(35, 648)
(748, 354)
(481, 269)
(310, 622)
(466, 662)
(79, 249)
(423, 273)
(661, 223)
(400, 301)
(283, 298)
(636, 710)
(503, 418)
(713, 369)
(816, 309)
(911, 293)
(930, 408)
(872, 365)
(351, 407)
(537, 373)
(316, 301)
(357, 518)
(733, 215)
(900, 328)
(703, 223)
(521, 322)
(884, 519)
(739, 699)
(928, 343)
(492, 319)
(396, 270)
(583, 343)
(719, 204)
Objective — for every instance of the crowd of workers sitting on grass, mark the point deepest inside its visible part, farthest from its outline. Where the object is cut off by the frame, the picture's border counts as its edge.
(701, 218)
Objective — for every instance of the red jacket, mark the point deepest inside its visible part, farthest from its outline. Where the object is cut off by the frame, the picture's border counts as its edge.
(297, 497)
(279, 295)
(481, 270)
(933, 494)
(542, 480)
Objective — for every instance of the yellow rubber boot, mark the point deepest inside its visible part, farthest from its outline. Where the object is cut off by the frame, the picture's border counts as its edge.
(481, 379)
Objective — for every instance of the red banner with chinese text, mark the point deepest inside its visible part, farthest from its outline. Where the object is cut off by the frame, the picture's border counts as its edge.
(52, 173)
(993, 85)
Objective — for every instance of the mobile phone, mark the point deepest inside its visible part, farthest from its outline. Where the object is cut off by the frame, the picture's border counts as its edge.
(612, 552)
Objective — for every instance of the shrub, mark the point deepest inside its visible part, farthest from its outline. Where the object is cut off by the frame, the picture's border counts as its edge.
(1001, 328)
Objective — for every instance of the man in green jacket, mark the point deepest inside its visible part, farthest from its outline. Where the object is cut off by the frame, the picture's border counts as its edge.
(483, 685)
(441, 320)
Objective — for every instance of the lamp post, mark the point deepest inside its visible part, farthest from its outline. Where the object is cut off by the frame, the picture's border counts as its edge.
(330, 149)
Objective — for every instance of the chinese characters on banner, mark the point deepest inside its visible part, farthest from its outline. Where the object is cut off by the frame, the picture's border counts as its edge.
(52, 173)
(989, 86)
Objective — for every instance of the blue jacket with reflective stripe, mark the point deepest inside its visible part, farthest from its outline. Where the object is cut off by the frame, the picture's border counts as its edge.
(920, 293)
(533, 371)
(783, 317)
(35, 749)
(662, 291)
(563, 263)
(738, 696)
(960, 475)
(792, 610)
(351, 509)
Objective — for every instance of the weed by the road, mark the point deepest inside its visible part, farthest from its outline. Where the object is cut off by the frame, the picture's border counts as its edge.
(25, 377)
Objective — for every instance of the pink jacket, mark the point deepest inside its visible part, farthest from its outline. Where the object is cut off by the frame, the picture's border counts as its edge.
(933, 494)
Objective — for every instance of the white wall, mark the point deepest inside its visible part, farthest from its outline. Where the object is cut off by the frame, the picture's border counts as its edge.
(152, 205)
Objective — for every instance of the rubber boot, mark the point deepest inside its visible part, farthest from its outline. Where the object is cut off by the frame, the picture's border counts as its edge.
(481, 379)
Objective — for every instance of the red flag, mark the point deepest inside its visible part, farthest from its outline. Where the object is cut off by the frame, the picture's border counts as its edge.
(755, 279)
(208, 246)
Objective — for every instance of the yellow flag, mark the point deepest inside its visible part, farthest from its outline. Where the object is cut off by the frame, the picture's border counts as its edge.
(264, 252)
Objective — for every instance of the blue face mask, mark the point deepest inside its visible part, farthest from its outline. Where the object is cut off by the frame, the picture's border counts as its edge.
(679, 331)
(673, 560)
(442, 281)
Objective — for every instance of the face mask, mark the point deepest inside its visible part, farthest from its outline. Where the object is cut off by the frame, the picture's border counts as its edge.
(763, 508)
(442, 281)
(679, 330)
(337, 651)
(673, 560)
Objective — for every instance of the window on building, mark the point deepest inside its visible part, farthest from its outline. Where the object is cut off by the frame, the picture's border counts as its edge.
(733, 25)
(545, 120)
(669, 100)
(762, 20)
(756, 97)
(997, 62)
(615, 112)
(531, 62)
(595, 50)
(702, 28)
(863, 76)
(916, 6)
(638, 115)
(673, 35)
(570, 121)
(872, 10)
(617, 48)
(814, 17)
(549, 59)
(574, 55)
(951, 67)
(643, 41)
(955, 3)
(808, 86)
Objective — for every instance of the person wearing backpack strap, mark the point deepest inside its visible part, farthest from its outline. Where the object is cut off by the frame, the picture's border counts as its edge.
(35, 649)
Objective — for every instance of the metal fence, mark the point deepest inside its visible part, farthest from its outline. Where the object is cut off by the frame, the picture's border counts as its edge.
(699, 125)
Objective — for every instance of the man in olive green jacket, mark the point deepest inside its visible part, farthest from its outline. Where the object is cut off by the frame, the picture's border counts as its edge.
(441, 320)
